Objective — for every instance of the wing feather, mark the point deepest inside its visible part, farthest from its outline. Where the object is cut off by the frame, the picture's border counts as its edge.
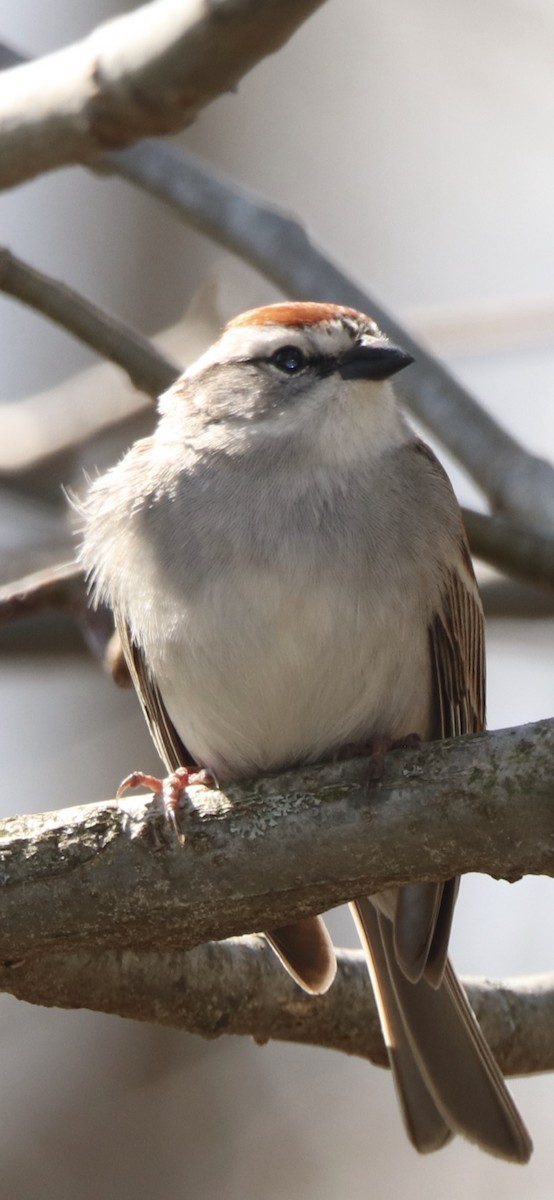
(457, 647)
(458, 654)
(170, 748)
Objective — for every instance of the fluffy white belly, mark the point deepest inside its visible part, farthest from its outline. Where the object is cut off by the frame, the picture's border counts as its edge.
(265, 673)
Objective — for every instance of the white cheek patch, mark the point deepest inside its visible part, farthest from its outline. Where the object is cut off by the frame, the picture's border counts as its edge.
(359, 419)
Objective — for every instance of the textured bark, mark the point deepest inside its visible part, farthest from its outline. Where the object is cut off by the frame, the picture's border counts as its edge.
(147, 72)
(238, 987)
(98, 903)
(113, 875)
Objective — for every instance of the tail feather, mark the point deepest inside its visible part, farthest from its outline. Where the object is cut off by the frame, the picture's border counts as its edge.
(424, 1122)
(436, 1047)
(307, 952)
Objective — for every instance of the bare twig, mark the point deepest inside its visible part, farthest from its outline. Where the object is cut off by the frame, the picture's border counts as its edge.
(60, 589)
(146, 366)
(237, 987)
(63, 420)
(147, 72)
(278, 246)
(112, 875)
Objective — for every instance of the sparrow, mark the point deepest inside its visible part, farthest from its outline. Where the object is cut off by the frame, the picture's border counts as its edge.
(290, 577)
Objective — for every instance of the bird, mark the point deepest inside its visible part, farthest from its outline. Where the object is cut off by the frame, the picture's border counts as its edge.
(290, 578)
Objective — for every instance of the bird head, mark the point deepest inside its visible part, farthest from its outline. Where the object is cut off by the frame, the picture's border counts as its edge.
(307, 369)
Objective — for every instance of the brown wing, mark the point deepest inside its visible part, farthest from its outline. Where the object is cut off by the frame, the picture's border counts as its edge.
(424, 911)
(445, 1075)
(305, 948)
(458, 654)
(170, 748)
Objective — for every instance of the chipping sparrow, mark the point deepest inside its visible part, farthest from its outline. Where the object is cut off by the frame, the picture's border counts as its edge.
(289, 574)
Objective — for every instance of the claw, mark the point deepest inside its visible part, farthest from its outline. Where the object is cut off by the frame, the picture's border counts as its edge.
(139, 779)
(168, 791)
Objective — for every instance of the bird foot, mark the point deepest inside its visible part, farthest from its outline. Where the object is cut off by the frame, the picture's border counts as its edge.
(380, 747)
(168, 792)
(375, 751)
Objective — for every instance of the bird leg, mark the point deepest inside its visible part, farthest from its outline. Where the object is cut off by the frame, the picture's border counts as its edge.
(381, 746)
(168, 791)
(375, 752)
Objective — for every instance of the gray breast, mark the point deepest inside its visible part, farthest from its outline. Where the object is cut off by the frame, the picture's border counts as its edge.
(300, 617)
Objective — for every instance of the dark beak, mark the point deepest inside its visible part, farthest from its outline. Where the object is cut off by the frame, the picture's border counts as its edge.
(374, 360)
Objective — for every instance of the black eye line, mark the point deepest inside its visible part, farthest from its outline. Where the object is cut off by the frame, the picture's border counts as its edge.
(320, 364)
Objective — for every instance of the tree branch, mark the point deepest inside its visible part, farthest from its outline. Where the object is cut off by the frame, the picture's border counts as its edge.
(113, 875)
(237, 987)
(147, 72)
(146, 367)
(60, 588)
(525, 553)
(62, 421)
(98, 903)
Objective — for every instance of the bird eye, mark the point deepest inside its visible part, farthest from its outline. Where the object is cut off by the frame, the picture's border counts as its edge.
(289, 359)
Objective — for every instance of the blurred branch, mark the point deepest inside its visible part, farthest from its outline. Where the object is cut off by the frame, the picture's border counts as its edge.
(510, 547)
(33, 535)
(9, 57)
(113, 875)
(514, 600)
(60, 589)
(147, 369)
(276, 244)
(62, 421)
(147, 72)
(238, 987)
